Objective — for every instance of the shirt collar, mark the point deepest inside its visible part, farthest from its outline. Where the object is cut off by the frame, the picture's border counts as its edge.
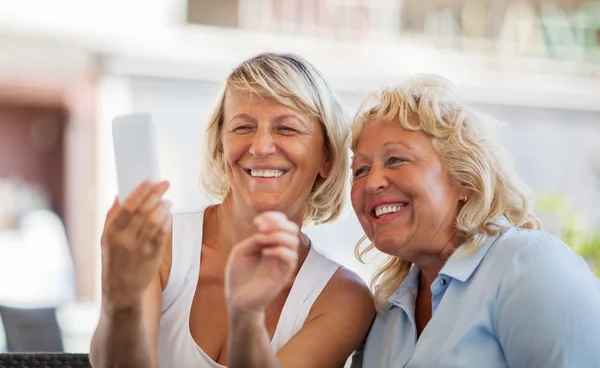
(463, 263)
(410, 284)
(460, 266)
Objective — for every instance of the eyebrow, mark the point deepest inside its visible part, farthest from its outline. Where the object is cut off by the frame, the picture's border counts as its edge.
(242, 116)
(396, 143)
(386, 144)
(278, 119)
(358, 155)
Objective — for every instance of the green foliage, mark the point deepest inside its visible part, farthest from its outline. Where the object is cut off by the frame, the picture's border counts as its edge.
(569, 225)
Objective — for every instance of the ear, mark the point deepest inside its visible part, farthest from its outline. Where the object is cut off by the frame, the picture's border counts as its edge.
(464, 194)
(325, 168)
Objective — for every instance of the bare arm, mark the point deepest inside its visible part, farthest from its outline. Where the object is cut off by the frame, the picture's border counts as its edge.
(338, 322)
(257, 269)
(134, 241)
(249, 344)
(336, 326)
(127, 335)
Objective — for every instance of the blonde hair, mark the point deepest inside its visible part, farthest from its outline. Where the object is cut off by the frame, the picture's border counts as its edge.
(293, 82)
(461, 138)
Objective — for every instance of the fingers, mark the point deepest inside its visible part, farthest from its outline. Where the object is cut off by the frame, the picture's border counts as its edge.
(133, 203)
(285, 258)
(111, 211)
(130, 204)
(155, 228)
(275, 230)
(153, 198)
(135, 223)
(164, 232)
(258, 242)
(113, 208)
(282, 254)
(273, 221)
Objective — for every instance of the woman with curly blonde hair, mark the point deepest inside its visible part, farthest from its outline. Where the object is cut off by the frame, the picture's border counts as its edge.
(471, 280)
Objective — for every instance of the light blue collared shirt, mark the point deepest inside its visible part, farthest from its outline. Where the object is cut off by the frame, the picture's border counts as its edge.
(524, 299)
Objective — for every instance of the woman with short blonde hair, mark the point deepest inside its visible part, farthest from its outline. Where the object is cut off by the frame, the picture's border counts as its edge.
(299, 86)
(238, 283)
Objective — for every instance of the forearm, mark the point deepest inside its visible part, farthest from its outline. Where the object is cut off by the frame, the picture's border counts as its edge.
(119, 340)
(249, 344)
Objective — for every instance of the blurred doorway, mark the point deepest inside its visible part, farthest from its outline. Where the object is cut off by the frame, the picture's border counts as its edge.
(48, 145)
(32, 148)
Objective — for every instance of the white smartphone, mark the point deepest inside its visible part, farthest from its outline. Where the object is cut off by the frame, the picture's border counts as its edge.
(135, 151)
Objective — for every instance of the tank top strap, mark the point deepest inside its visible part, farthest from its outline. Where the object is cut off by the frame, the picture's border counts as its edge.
(185, 254)
(313, 276)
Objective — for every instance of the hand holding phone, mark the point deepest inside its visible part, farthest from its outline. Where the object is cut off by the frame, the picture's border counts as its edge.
(138, 224)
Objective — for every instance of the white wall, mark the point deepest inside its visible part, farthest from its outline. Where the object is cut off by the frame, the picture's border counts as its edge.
(90, 15)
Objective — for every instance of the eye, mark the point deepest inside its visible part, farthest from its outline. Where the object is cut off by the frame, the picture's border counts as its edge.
(360, 171)
(395, 160)
(243, 129)
(286, 129)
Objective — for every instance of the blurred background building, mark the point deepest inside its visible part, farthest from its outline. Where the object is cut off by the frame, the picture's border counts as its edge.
(68, 67)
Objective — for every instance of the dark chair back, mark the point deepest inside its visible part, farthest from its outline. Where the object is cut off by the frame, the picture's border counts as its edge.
(31, 330)
(43, 360)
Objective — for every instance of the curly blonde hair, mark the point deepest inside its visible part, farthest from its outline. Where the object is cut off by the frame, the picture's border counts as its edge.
(294, 82)
(470, 157)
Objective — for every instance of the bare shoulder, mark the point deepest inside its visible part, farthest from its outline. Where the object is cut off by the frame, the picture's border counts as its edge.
(349, 290)
(338, 322)
(346, 281)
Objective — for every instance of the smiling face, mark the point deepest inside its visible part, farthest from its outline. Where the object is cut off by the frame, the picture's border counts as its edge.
(404, 200)
(272, 154)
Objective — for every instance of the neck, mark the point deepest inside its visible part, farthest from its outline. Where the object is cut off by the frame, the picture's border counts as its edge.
(227, 224)
(431, 264)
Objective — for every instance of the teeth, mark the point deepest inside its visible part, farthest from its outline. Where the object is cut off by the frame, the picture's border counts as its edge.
(384, 210)
(266, 173)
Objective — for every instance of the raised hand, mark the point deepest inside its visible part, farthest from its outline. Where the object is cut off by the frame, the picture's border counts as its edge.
(132, 241)
(261, 265)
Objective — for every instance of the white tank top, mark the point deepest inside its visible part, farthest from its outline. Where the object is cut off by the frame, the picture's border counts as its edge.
(176, 347)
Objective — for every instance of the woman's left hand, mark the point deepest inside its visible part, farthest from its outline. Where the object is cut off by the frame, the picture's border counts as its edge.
(260, 266)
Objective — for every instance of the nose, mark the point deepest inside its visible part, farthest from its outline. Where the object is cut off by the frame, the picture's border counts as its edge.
(262, 143)
(376, 181)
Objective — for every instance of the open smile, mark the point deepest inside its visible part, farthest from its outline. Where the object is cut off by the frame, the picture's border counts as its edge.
(388, 211)
(266, 173)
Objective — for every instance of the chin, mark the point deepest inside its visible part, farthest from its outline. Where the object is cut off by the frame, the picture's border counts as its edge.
(268, 202)
(389, 245)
